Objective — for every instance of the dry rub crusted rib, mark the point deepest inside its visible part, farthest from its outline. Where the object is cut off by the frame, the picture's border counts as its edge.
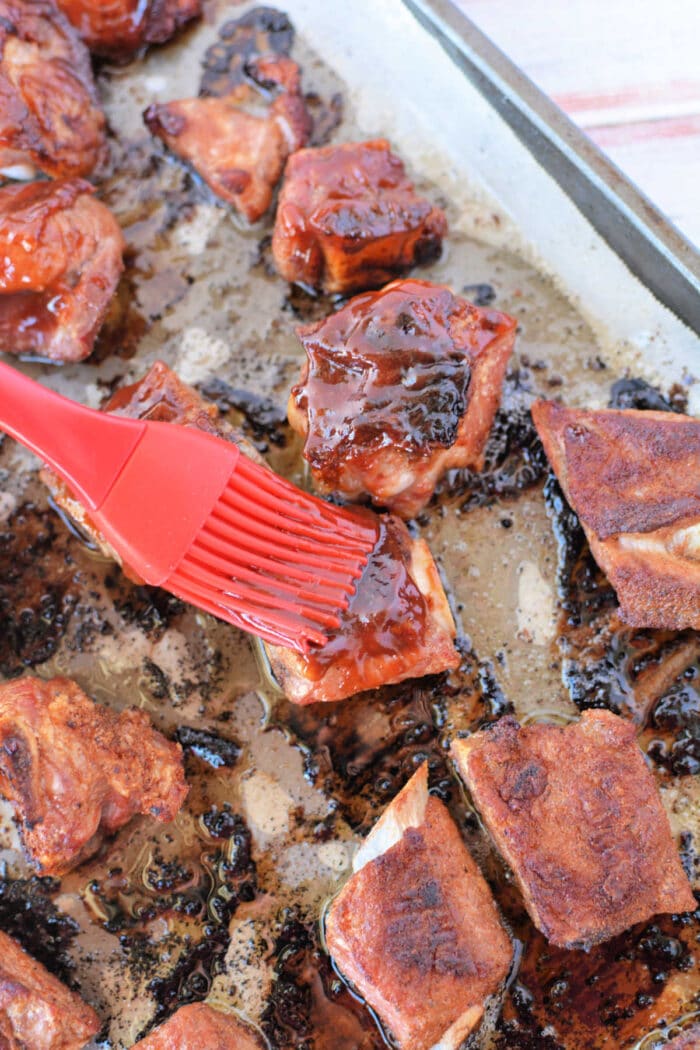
(198, 1026)
(75, 770)
(576, 814)
(50, 119)
(416, 929)
(118, 28)
(349, 218)
(633, 478)
(399, 386)
(399, 623)
(37, 1011)
(239, 143)
(60, 264)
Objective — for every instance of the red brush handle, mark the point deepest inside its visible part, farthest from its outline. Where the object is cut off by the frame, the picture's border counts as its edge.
(88, 449)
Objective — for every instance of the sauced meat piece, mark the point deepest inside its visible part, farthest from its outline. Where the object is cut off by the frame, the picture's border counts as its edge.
(198, 1025)
(416, 929)
(60, 263)
(348, 218)
(633, 478)
(50, 119)
(398, 625)
(37, 1011)
(118, 28)
(239, 143)
(75, 770)
(398, 387)
(577, 816)
(162, 396)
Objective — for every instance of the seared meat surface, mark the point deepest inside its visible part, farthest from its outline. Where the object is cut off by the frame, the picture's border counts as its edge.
(399, 386)
(50, 118)
(60, 264)
(633, 478)
(196, 1026)
(398, 625)
(416, 929)
(349, 218)
(577, 816)
(239, 142)
(75, 770)
(37, 1011)
(118, 28)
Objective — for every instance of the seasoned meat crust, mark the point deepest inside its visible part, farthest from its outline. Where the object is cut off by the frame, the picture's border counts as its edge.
(118, 28)
(239, 143)
(577, 816)
(75, 770)
(398, 387)
(197, 1026)
(37, 1011)
(60, 264)
(398, 625)
(416, 929)
(349, 219)
(50, 119)
(633, 478)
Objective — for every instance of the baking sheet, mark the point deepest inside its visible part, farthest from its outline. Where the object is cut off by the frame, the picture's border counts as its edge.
(224, 903)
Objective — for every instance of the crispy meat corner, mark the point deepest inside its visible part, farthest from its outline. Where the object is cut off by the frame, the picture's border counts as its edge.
(75, 770)
(576, 814)
(633, 478)
(119, 28)
(37, 1011)
(415, 929)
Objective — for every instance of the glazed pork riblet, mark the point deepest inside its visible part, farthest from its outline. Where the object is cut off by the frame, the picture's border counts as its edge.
(575, 813)
(75, 770)
(398, 387)
(349, 218)
(633, 478)
(37, 1011)
(60, 264)
(196, 1026)
(239, 143)
(416, 929)
(118, 28)
(398, 625)
(50, 119)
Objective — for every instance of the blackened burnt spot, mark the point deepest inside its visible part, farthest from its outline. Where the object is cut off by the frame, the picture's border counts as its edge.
(514, 458)
(28, 914)
(150, 609)
(39, 588)
(676, 720)
(309, 1007)
(263, 418)
(215, 750)
(262, 31)
(479, 294)
(637, 393)
(326, 115)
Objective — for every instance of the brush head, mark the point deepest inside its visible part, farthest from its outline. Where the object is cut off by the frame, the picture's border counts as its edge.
(190, 513)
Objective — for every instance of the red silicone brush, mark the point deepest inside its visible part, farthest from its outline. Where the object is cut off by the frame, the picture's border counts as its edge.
(190, 513)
